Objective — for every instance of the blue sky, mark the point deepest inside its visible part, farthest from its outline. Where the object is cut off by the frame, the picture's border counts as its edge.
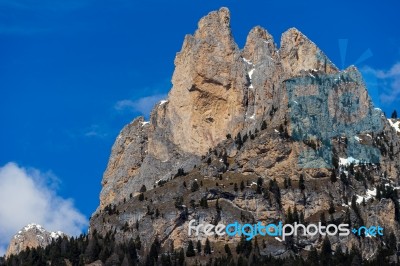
(73, 73)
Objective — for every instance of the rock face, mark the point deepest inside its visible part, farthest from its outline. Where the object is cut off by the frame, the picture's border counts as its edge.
(208, 98)
(127, 156)
(240, 117)
(217, 90)
(31, 236)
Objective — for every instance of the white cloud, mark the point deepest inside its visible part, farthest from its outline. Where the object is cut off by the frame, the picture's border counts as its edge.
(28, 196)
(141, 105)
(388, 82)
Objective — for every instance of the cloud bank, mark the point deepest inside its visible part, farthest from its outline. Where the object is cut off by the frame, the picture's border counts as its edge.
(28, 196)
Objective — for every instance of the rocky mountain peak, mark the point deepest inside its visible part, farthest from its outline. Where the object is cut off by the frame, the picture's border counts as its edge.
(219, 90)
(215, 24)
(299, 53)
(32, 235)
(260, 46)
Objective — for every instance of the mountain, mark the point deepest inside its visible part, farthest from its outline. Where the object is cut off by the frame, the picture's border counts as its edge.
(262, 115)
(31, 236)
(259, 134)
(218, 89)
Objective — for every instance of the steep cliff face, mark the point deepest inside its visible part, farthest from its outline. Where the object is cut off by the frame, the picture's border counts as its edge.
(298, 116)
(217, 90)
(210, 87)
(31, 236)
(127, 155)
(207, 101)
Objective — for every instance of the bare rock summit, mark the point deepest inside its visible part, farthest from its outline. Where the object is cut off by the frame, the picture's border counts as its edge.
(31, 236)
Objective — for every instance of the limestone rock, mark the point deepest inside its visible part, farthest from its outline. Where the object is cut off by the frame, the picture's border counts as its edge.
(127, 156)
(298, 53)
(31, 236)
(261, 92)
(207, 100)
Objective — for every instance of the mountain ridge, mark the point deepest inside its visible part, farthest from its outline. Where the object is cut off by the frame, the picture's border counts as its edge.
(31, 236)
(258, 134)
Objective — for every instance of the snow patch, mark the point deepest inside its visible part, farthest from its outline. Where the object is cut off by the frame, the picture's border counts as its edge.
(348, 160)
(33, 226)
(369, 194)
(395, 125)
(250, 73)
(247, 61)
(145, 123)
(163, 102)
(357, 138)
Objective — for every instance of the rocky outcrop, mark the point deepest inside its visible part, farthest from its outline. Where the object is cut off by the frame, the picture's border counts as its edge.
(298, 53)
(208, 98)
(298, 117)
(219, 89)
(127, 155)
(31, 236)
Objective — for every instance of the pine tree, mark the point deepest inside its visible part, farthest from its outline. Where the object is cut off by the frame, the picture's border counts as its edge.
(228, 250)
(378, 193)
(301, 218)
(331, 208)
(195, 186)
(138, 243)
(181, 257)
(141, 197)
(207, 247)
(326, 252)
(313, 257)
(264, 125)
(296, 215)
(394, 114)
(198, 247)
(241, 186)
(392, 243)
(333, 177)
(301, 182)
(190, 250)
(322, 218)
(235, 187)
(259, 185)
(239, 141)
(143, 189)
(289, 216)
